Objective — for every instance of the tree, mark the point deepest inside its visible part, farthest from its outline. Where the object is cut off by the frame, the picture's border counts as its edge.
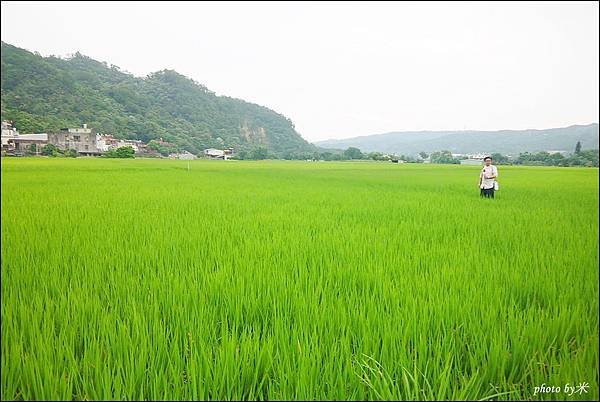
(376, 156)
(326, 156)
(444, 157)
(578, 148)
(121, 152)
(353, 153)
(242, 155)
(163, 148)
(125, 152)
(259, 153)
(423, 154)
(499, 159)
(330, 156)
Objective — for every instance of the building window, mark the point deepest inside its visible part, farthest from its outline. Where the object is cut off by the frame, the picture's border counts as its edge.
(75, 138)
(86, 147)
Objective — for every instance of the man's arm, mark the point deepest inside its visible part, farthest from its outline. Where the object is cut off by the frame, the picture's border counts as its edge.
(494, 173)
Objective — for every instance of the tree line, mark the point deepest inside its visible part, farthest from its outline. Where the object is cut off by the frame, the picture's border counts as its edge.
(579, 157)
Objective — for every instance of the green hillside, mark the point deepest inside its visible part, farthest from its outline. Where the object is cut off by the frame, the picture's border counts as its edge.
(46, 93)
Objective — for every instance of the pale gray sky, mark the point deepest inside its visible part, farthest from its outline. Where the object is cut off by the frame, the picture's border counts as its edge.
(346, 69)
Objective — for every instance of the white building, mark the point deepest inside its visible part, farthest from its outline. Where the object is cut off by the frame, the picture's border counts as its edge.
(218, 153)
(214, 153)
(471, 161)
(478, 155)
(80, 130)
(135, 144)
(104, 142)
(8, 130)
(8, 133)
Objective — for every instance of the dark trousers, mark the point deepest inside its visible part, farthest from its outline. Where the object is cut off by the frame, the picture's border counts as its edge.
(487, 192)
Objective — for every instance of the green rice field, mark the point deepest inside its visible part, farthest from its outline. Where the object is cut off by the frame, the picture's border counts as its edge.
(256, 280)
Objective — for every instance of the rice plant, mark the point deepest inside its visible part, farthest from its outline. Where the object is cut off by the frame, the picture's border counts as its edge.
(141, 279)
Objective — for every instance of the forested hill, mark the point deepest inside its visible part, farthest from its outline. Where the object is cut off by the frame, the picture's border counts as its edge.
(46, 93)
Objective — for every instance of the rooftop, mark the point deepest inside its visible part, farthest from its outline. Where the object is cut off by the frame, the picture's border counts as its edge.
(32, 137)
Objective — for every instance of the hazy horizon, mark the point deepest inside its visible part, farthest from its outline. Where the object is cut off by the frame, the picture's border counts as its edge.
(442, 130)
(350, 69)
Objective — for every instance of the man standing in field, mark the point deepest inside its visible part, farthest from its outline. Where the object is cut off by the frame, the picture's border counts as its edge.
(487, 177)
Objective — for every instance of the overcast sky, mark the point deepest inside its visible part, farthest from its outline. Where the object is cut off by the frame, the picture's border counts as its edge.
(347, 69)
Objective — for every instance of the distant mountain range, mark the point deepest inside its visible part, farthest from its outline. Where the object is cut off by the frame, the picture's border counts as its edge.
(42, 94)
(504, 141)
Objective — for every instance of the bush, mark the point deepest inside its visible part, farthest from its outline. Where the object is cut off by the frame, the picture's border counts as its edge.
(121, 152)
(125, 152)
(51, 150)
(71, 153)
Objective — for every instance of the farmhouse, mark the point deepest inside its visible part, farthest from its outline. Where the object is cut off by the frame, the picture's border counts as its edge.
(471, 161)
(9, 132)
(214, 153)
(106, 142)
(137, 145)
(29, 143)
(81, 139)
(218, 153)
(15, 143)
(186, 156)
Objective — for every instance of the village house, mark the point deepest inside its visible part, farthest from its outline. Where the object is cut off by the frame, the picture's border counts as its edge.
(86, 141)
(185, 155)
(214, 153)
(8, 129)
(106, 142)
(479, 155)
(473, 159)
(29, 143)
(137, 145)
(81, 139)
(9, 132)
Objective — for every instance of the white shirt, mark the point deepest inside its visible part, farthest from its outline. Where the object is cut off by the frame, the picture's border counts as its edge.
(488, 171)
